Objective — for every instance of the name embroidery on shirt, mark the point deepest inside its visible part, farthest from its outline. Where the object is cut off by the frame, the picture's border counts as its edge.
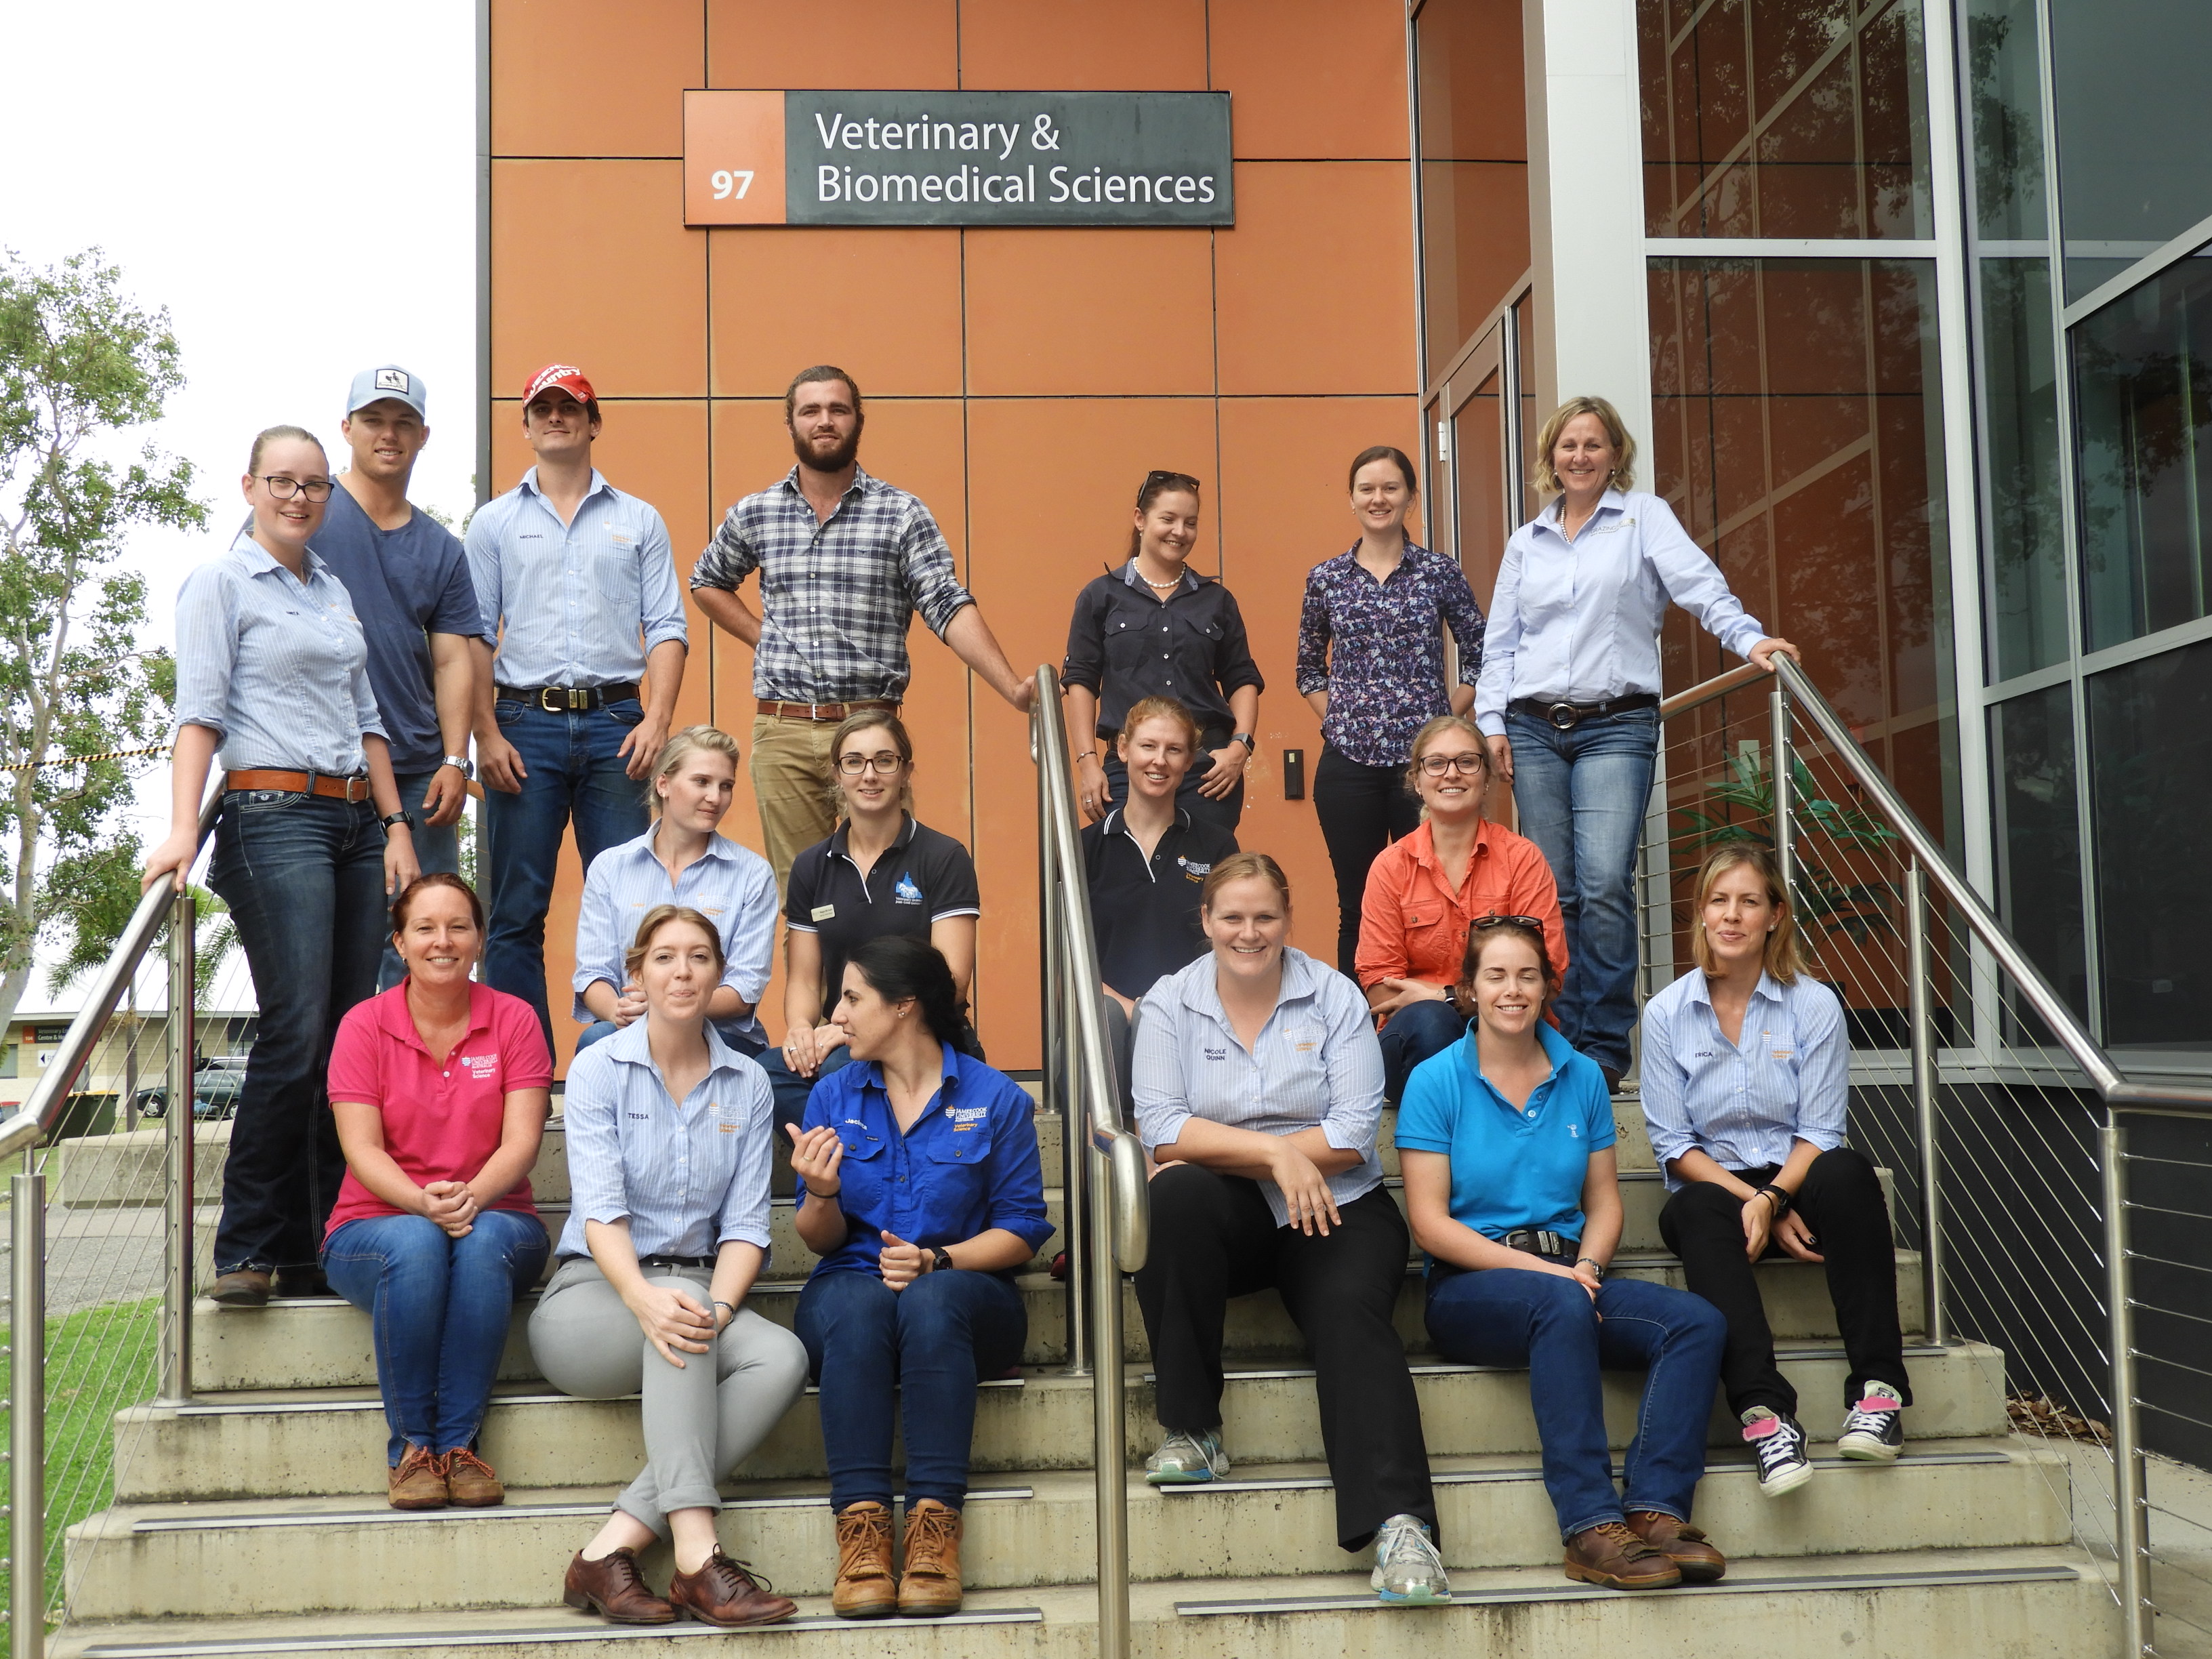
(1217, 1054)
(905, 892)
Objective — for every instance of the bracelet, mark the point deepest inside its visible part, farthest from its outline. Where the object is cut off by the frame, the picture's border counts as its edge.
(730, 1306)
(1781, 1205)
(1087, 754)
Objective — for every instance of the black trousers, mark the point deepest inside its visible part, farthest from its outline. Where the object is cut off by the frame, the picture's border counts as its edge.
(1213, 1236)
(1362, 809)
(1841, 1201)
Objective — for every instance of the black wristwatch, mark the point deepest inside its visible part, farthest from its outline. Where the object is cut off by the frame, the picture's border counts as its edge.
(1781, 1205)
(1244, 738)
(940, 1260)
(401, 817)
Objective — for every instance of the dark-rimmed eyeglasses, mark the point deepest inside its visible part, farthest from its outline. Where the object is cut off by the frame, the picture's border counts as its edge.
(885, 765)
(284, 488)
(1534, 923)
(1434, 766)
(1159, 478)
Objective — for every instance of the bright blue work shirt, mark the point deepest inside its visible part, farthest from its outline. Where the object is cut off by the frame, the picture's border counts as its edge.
(970, 1164)
(1509, 1168)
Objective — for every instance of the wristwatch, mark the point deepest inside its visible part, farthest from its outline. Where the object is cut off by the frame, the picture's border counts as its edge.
(1781, 1205)
(1244, 738)
(940, 1260)
(462, 761)
(401, 817)
(1597, 1267)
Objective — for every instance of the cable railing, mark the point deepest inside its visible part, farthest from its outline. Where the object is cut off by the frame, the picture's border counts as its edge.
(1107, 1206)
(2005, 1127)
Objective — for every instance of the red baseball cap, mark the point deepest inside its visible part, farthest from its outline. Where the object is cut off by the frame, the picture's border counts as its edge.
(566, 376)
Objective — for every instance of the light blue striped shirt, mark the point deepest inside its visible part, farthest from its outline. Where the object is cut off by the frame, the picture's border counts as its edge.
(688, 1177)
(1316, 1061)
(582, 603)
(1744, 1103)
(732, 885)
(1578, 621)
(275, 665)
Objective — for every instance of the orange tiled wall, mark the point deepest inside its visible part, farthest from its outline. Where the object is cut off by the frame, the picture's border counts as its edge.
(1021, 381)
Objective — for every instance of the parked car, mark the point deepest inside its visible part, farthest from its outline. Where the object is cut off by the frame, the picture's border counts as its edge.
(217, 1079)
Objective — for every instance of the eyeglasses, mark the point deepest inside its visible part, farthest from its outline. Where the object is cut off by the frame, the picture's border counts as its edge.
(1158, 479)
(884, 766)
(1436, 766)
(1534, 924)
(284, 488)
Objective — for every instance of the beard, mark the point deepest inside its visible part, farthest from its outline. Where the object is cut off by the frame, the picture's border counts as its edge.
(820, 460)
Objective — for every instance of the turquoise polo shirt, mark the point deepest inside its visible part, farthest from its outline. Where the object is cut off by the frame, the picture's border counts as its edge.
(1509, 1168)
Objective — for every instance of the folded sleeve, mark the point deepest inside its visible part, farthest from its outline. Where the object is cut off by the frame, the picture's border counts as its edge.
(1017, 1172)
(661, 605)
(1235, 668)
(1381, 953)
(927, 563)
(591, 1123)
(1355, 1073)
(753, 933)
(207, 651)
(1824, 1066)
(1666, 1084)
(730, 558)
(598, 944)
(1085, 664)
(745, 1203)
(1156, 1069)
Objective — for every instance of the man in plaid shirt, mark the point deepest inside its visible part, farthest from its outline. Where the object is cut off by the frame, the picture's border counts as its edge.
(845, 561)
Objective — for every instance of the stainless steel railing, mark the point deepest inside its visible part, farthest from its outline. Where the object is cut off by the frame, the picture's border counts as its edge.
(1107, 1206)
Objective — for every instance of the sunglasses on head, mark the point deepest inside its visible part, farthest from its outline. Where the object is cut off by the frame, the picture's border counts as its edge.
(1158, 479)
(1534, 923)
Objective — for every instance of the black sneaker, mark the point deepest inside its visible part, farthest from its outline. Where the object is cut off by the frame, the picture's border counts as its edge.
(1780, 1443)
(1874, 1430)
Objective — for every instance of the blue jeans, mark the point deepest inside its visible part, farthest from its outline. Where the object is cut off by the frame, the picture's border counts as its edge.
(434, 850)
(303, 876)
(932, 1342)
(742, 1040)
(1414, 1033)
(574, 773)
(1506, 1316)
(438, 1307)
(1583, 795)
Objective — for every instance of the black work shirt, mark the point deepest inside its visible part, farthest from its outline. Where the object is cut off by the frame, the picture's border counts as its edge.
(1124, 645)
(924, 877)
(1146, 911)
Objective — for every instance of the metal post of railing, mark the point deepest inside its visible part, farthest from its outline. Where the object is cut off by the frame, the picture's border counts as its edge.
(1109, 1430)
(1060, 1098)
(1922, 993)
(2130, 1503)
(1785, 851)
(178, 1198)
(27, 1415)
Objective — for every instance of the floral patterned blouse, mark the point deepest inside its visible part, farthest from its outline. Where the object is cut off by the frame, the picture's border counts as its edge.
(1378, 648)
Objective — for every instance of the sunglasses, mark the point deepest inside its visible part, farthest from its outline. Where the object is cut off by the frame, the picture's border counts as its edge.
(1158, 479)
(1534, 924)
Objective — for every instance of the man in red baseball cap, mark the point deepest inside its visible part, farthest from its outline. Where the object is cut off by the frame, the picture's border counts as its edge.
(578, 585)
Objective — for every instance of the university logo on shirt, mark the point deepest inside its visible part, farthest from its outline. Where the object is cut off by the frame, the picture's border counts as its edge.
(905, 892)
(481, 1066)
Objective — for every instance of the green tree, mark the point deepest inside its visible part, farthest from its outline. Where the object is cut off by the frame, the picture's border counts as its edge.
(80, 363)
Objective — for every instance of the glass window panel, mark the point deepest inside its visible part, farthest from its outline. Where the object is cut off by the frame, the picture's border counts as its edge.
(1784, 117)
(2150, 778)
(2005, 106)
(2027, 556)
(2134, 171)
(1474, 166)
(1532, 420)
(2037, 835)
(1479, 486)
(2142, 369)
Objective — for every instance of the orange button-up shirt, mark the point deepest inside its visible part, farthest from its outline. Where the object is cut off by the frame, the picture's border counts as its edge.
(1412, 925)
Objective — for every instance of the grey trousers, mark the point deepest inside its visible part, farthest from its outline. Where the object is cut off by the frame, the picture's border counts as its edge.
(701, 1422)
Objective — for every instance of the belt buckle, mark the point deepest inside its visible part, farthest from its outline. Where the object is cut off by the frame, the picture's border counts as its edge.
(1572, 716)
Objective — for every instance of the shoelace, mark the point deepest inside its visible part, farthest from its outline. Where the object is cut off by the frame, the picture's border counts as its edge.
(1190, 1448)
(732, 1578)
(1405, 1538)
(460, 1455)
(1620, 1533)
(929, 1534)
(1872, 1415)
(1778, 1445)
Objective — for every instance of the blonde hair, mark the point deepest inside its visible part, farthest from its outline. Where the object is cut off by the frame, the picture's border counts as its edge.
(1435, 729)
(691, 737)
(658, 918)
(1785, 950)
(1245, 867)
(1545, 478)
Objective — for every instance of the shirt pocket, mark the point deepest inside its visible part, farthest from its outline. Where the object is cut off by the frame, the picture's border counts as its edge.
(862, 1176)
(1433, 943)
(1129, 642)
(615, 572)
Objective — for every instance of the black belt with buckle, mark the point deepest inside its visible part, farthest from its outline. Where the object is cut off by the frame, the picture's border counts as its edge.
(676, 1261)
(1539, 1241)
(1568, 715)
(568, 699)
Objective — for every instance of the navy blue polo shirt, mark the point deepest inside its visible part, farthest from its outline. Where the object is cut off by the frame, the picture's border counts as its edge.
(924, 877)
(1145, 911)
(969, 1164)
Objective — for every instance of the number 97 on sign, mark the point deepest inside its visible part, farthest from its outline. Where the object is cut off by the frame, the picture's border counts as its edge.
(730, 183)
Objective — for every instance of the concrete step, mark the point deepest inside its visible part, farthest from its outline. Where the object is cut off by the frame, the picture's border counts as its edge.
(311, 1554)
(304, 1443)
(2023, 1603)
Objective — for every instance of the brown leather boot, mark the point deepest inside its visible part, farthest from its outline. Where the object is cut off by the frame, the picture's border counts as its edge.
(242, 1287)
(1682, 1543)
(929, 1580)
(613, 1588)
(471, 1482)
(723, 1592)
(419, 1481)
(864, 1588)
(1610, 1554)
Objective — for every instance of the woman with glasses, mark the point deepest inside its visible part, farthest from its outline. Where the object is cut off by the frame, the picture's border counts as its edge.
(1152, 627)
(1568, 697)
(1427, 886)
(680, 860)
(880, 872)
(272, 671)
(1371, 662)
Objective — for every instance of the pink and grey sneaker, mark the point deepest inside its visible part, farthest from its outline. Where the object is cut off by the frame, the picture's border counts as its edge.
(1874, 1430)
(1783, 1465)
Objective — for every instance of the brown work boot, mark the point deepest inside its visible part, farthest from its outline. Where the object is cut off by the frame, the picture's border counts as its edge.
(242, 1287)
(613, 1588)
(865, 1588)
(419, 1480)
(724, 1592)
(1682, 1543)
(929, 1580)
(1610, 1554)
(470, 1481)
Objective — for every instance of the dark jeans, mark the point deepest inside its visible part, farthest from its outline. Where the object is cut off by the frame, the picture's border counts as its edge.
(438, 1308)
(434, 850)
(574, 773)
(1414, 1033)
(1506, 1316)
(1213, 1236)
(793, 1091)
(932, 1342)
(1362, 809)
(303, 876)
(1841, 1201)
(1583, 795)
(1228, 812)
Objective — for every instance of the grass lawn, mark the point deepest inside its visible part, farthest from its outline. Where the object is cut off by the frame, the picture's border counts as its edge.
(98, 1361)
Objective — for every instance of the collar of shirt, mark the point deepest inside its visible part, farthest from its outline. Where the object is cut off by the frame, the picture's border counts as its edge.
(1135, 578)
(1349, 559)
(529, 487)
(259, 560)
(1769, 989)
(1423, 849)
(841, 839)
(861, 484)
(1555, 509)
(644, 848)
(873, 1090)
(397, 1020)
(1556, 1049)
(1201, 993)
(632, 1046)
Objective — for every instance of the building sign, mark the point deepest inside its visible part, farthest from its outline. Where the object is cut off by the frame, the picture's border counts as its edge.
(956, 158)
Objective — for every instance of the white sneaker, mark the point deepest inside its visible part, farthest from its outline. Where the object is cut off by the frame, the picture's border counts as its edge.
(1187, 1459)
(1408, 1571)
(1783, 1465)
(1874, 1430)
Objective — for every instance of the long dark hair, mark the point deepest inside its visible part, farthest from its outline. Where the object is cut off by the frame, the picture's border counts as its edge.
(1158, 482)
(900, 968)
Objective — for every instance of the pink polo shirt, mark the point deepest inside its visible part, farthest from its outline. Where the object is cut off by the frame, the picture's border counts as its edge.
(441, 1122)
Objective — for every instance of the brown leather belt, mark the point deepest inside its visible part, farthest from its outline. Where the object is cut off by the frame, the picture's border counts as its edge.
(568, 699)
(832, 712)
(300, 783)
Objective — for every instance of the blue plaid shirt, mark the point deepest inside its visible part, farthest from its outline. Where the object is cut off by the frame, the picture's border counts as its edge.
(835, 596)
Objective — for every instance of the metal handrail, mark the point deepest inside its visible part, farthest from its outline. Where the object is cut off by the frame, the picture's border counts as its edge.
(1109, 1230)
